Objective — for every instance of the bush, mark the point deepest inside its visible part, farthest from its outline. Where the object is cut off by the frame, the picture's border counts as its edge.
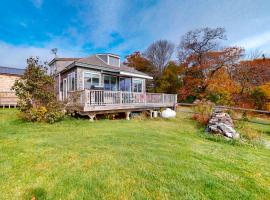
(221, 98)
(261, 96)
(35, 91)
(203, 111)
(41, 114)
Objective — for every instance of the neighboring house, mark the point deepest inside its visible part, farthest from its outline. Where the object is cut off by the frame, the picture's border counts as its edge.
(103, 84)
(8, 75)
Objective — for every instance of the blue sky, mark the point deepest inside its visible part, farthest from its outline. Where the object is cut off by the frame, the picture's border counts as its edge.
(82, 27)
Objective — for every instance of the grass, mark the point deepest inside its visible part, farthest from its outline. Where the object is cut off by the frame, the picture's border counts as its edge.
(150, 159)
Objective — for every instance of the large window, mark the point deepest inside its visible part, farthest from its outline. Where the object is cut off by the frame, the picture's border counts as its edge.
(137, 85)
(110, 83)
(91, 80)
(125, 84)
(71, 79)
(114, 61)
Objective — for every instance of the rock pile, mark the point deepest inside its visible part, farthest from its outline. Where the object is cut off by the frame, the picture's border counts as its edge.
(221, 123)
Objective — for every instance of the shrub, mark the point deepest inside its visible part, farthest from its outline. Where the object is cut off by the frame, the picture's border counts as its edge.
(251, 134)
(203, 110)
(35, 91)
(261, 96)
(221, 98)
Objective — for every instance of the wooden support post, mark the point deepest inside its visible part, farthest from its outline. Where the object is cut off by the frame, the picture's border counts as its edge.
(151, 114)
(175, 103)
(128, 115)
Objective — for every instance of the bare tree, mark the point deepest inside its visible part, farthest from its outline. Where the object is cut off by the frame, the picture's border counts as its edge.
(254, 54)
(198, 42)
(159, 54)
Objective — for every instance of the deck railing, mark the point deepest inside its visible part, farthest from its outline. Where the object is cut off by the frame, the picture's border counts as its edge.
(100, 97)
(8, 98)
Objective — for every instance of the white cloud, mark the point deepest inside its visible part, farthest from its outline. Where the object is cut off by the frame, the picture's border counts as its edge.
(101, 19)
(37, 3)
(15, 56)
(259, 41)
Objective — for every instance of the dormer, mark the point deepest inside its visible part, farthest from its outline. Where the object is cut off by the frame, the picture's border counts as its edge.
(110, 59)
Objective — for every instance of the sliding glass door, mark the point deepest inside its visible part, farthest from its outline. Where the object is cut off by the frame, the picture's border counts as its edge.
(110, 83)
(125, 84)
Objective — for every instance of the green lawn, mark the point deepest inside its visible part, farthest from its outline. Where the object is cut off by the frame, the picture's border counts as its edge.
(151, 159)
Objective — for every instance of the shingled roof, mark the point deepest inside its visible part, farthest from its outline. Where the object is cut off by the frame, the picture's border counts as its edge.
(11, 70)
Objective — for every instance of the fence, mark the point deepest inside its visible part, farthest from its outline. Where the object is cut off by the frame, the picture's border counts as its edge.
(240, 110)
(8, 99)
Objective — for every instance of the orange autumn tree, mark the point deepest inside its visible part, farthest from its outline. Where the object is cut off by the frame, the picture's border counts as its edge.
(252, 73)
(221, 87)
(137, 61)
(197, 77)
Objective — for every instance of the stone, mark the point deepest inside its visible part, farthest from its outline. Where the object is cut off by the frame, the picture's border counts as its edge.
(221, 123)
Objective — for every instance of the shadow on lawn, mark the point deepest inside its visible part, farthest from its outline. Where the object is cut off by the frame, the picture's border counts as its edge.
(35, 194)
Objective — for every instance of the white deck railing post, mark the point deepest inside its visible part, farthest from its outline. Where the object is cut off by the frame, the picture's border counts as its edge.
(145, 99)
(163, 99)
(120, 93)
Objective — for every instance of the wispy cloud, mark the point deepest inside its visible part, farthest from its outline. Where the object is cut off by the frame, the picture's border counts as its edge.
(14, 55)
(256, 41)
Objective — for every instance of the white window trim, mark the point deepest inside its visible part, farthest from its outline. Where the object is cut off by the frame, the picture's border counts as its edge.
(108, 58)
(65, 89)
(142, 82)
(135, 75)
(69, 77)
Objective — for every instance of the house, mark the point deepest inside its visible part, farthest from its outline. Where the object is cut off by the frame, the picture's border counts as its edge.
(102, 84)
(8, 75)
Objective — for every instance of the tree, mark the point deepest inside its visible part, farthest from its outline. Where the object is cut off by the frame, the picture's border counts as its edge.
(261, 96)
(35, 90)
(170, 81)
(197, 42)
(221, 87)
(137, 61)
(196, 77)
(251, 73)
(159, 54)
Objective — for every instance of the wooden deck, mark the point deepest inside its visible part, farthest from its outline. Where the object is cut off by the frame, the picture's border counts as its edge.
(99, 101)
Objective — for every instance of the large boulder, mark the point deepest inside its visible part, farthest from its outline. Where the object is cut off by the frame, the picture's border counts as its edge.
(168, 113)
(222, 123)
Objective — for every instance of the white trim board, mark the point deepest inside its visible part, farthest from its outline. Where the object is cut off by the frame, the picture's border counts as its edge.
(135, 75)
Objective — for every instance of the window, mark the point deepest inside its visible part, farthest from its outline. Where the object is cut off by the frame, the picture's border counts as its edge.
(71, 81)
(125, 84)
(110, 83)
(114, 61)
(137, 85)
(91, 79)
